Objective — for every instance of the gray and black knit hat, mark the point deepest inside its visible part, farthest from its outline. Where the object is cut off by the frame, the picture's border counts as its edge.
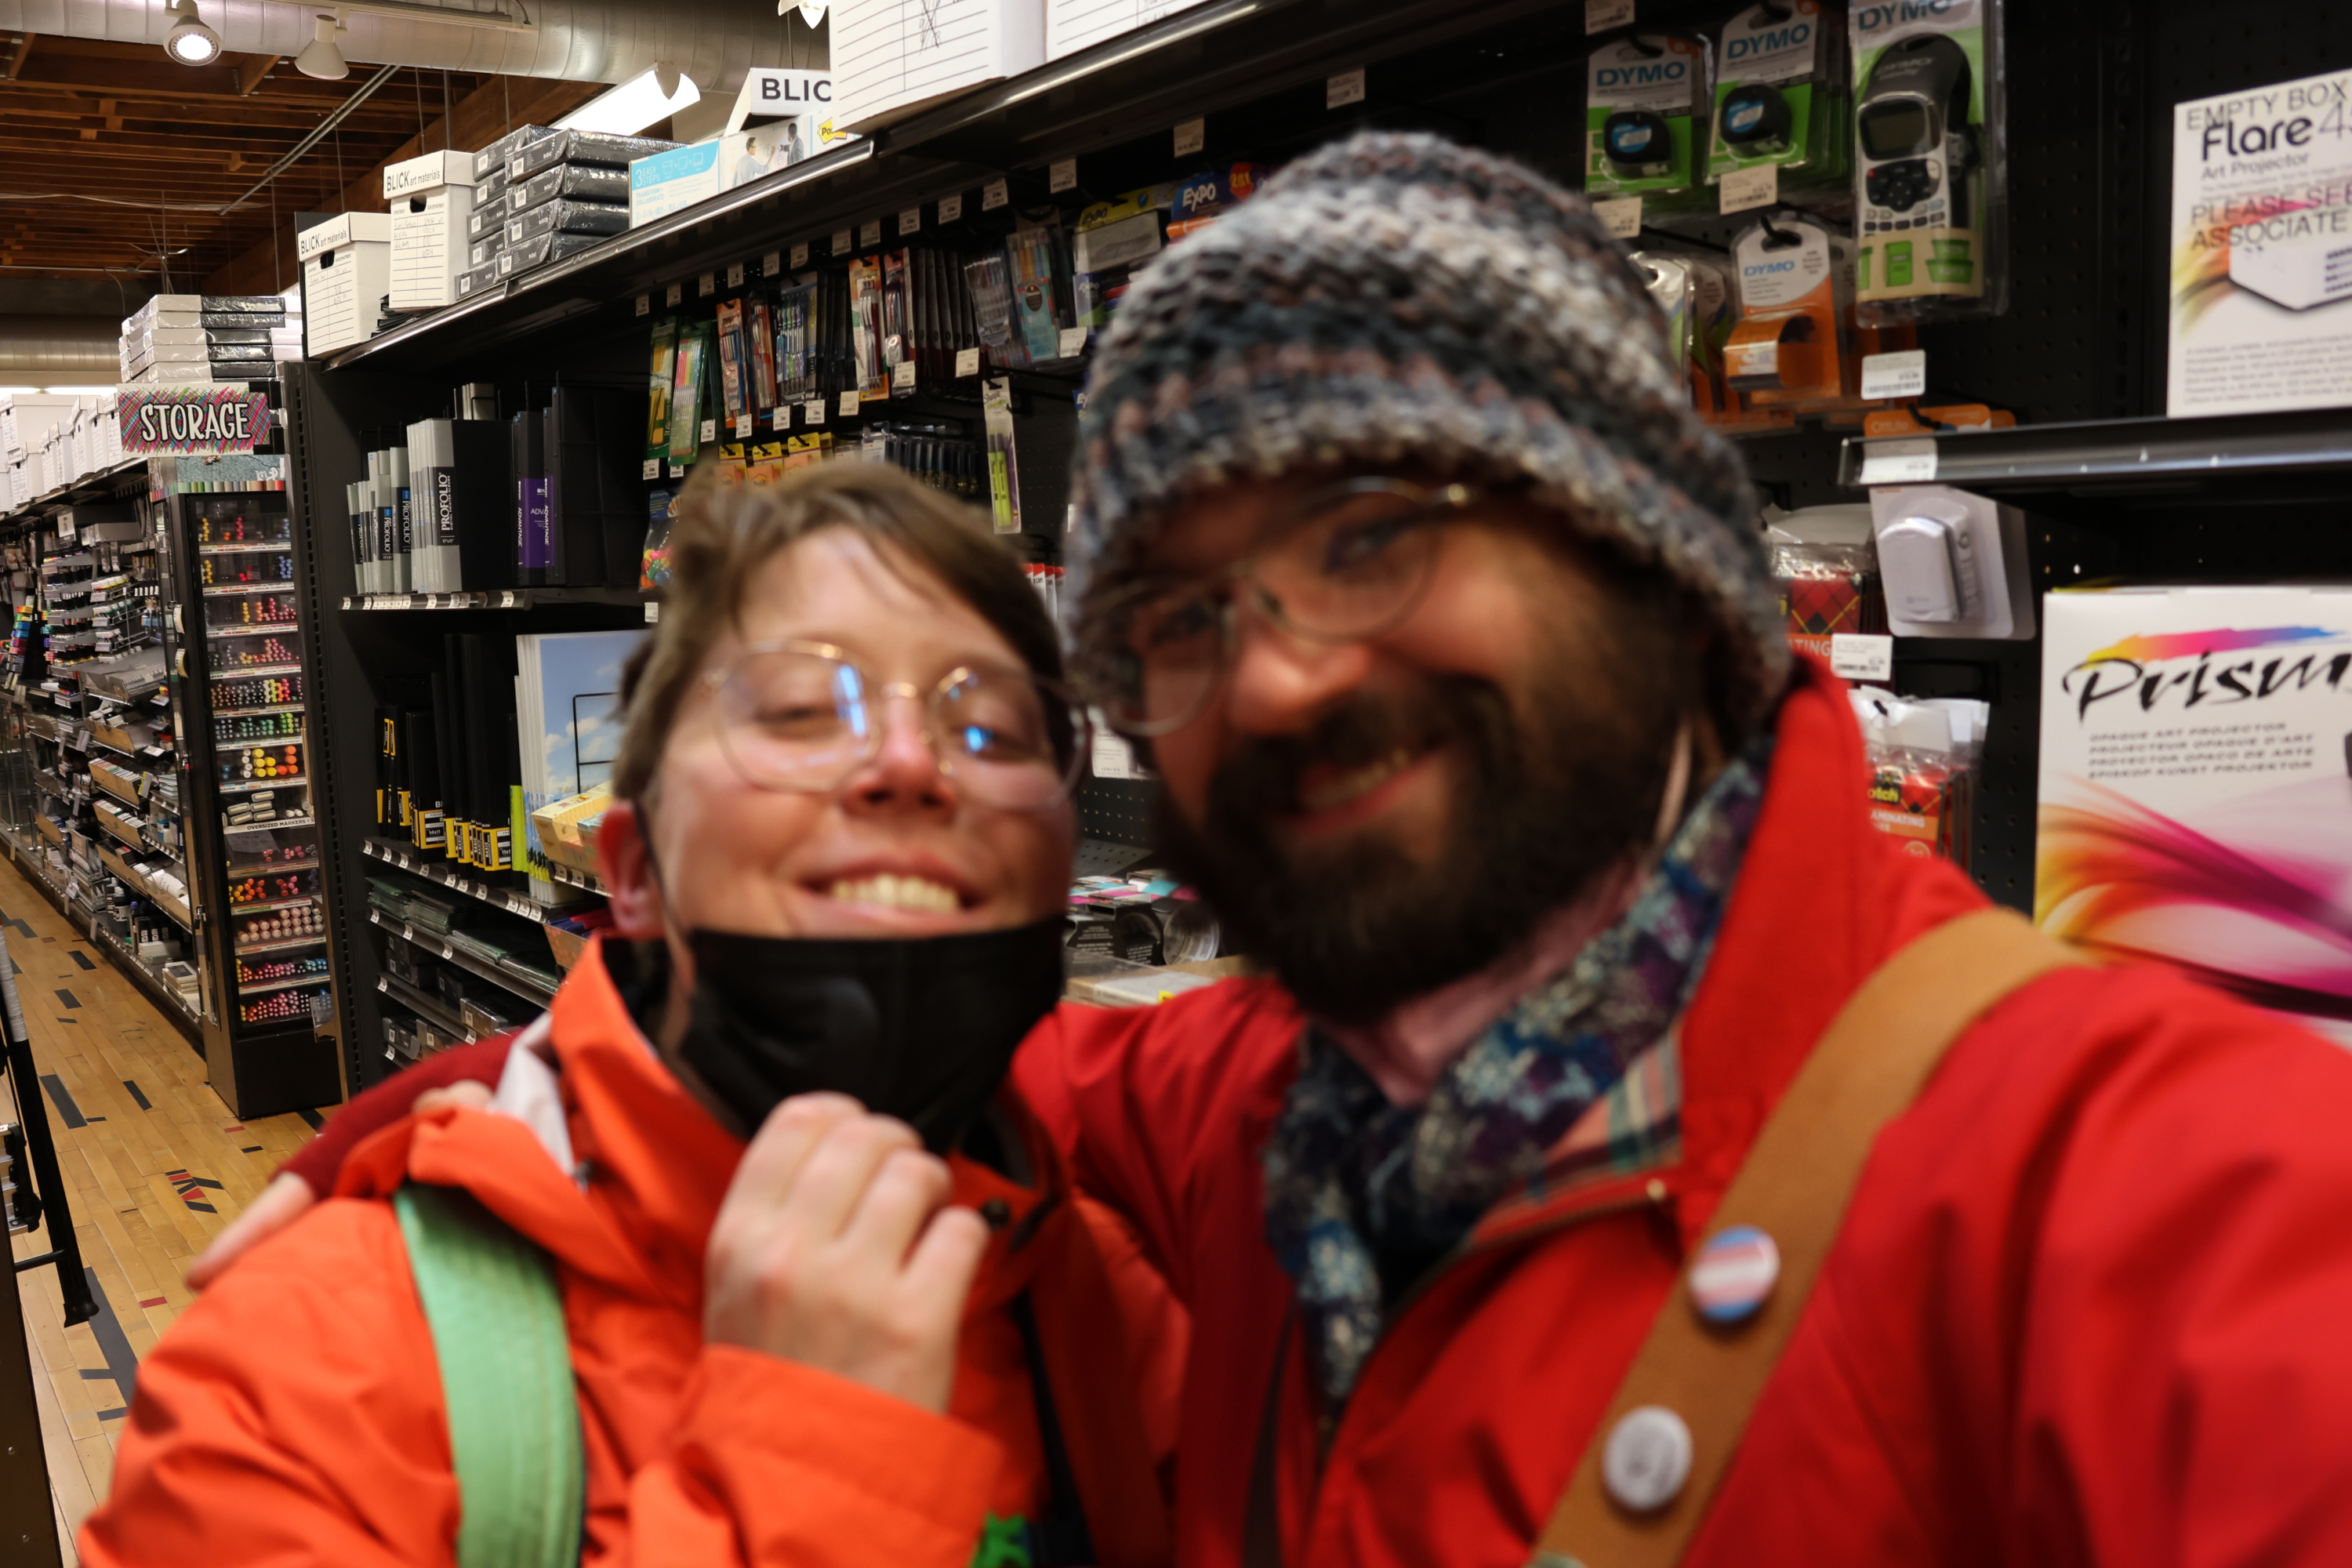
(1397, 299)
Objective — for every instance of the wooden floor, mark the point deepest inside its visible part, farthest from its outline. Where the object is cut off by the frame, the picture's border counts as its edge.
(158, 1166)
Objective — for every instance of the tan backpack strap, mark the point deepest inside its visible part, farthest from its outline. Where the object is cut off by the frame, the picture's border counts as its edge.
(1795, 1187)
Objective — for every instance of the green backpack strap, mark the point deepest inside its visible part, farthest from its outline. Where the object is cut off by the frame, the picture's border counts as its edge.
(496, 1317)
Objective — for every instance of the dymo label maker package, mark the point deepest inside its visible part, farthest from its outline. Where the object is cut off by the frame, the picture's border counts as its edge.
(2262, 250)
(1929, 205)
(1779, 73)
(1645, 108)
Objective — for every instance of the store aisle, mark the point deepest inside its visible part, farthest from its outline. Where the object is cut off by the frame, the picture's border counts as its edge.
(153, 1163)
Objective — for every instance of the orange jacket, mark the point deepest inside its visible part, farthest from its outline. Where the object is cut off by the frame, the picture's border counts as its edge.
(294, 1414)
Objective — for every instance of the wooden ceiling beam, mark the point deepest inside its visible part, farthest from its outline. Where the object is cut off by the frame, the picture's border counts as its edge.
(24, 52)
(250, 71)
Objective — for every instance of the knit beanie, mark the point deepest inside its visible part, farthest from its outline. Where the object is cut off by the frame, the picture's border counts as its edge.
(1394, 299)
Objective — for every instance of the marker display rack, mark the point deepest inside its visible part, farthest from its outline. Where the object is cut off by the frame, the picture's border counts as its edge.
(99, 825)
(244, 706)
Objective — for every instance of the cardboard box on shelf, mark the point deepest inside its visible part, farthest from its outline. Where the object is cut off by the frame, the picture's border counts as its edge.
(431, 198)
(890, 60)
(346, 272)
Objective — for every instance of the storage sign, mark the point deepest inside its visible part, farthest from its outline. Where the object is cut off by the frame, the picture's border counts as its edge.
(192, 421)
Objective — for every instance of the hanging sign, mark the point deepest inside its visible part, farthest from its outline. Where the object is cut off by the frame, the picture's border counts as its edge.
(192, 421)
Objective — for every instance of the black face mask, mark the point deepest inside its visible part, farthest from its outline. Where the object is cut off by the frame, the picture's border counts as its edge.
(920, 1030)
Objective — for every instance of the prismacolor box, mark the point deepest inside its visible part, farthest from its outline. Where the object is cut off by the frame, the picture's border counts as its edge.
(2196, 787)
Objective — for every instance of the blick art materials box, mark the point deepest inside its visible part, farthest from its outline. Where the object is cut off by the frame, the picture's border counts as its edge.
(2196, 787)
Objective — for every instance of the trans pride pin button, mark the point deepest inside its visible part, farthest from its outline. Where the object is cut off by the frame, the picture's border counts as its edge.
(1733, 1274)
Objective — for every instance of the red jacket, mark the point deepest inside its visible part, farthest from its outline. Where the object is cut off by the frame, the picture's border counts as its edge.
(2092, 1301)
(294, 1414)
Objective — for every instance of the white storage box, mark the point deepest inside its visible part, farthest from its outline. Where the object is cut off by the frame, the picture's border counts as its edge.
(1075, 25)
(346, 273)
(890, 60)
(431, 198)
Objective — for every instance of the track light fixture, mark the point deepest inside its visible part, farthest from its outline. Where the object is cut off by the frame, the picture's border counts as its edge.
(190, 42)
(320, 59)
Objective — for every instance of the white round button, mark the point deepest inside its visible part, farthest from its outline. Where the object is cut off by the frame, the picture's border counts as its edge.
(1648, 1460)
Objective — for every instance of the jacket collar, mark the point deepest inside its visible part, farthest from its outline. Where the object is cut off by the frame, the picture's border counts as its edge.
(652, 1164)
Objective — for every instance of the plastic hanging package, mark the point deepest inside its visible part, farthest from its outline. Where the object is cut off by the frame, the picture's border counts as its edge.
(1931, 163)
(1646, 106)
(1781, 79)
(1923, 755)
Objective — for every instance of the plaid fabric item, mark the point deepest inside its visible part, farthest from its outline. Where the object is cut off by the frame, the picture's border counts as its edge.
(1363, 1197)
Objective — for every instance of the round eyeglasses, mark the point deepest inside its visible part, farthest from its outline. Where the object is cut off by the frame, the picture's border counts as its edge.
(1348, 563)
(802, 716)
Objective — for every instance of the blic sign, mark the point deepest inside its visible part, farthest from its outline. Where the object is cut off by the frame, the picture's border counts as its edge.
(192, 421)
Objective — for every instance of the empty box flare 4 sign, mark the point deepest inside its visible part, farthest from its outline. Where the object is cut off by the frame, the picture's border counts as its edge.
(192, 421)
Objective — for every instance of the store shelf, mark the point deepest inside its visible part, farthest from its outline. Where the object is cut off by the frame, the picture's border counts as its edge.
(424, 1007)
(258, 988)
(254, 547)
(255, 713)
(395, 853)
(271, 823)
(271, 869)
(135, 839)
(2240, 458)
(432, 942)
(221, 589)
(239, 671)
(244, 786)
(237, 908)
(587, 881)
(269, 629)
(493, 599)
(89, 488)
(296, 737)
(287, 945)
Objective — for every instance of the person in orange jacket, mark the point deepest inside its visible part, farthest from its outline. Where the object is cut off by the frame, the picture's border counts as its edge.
(839, 852)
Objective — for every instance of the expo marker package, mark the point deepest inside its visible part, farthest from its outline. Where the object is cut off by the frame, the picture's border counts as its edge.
(1780, 76)
(1930, 180)
(2262, 250)
(1646, 106)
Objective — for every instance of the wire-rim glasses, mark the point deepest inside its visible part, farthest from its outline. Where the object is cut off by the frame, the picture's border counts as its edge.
(1350, 561)
(803, 716)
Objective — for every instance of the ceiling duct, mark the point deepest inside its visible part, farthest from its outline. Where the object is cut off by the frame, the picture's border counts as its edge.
(42, 349)
(713, 41)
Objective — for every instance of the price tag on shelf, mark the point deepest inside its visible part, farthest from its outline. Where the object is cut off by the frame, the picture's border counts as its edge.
(1901, 374)
(993, 194)
(1621, 218)
(645, 304)
(849, 401)
(1073, 343)
(707, 285)
(967, 363)
(1905, 462)
(1346, 88)
(653, 612)
(1744, 189)
(781, 418)
(799, 255)
(1854, 656)
(841, 245)
(743, 426)
(870, 233)
(902, 376)
(1062, 176)
(1600, 16)
(910, 221)
(653, 468)
(772, 265)
(951, 209)
(814, 411)
(677, 295)
(735, 275)
(1191, 137)
(710, 430)
(677, 469)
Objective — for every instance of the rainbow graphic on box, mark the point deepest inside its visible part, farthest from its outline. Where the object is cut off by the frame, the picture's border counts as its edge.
(2196, 787)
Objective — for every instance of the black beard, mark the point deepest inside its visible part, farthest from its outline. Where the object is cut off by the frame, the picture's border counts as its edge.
(1543, 807)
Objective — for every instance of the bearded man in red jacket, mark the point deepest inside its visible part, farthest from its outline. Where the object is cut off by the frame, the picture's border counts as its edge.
(1449, 629)
(1448, 626)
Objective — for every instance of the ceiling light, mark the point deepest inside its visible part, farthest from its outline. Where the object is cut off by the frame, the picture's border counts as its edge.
(190, 42)
(17, 391)
(644, 100)
(319, 57)
(79, 391)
